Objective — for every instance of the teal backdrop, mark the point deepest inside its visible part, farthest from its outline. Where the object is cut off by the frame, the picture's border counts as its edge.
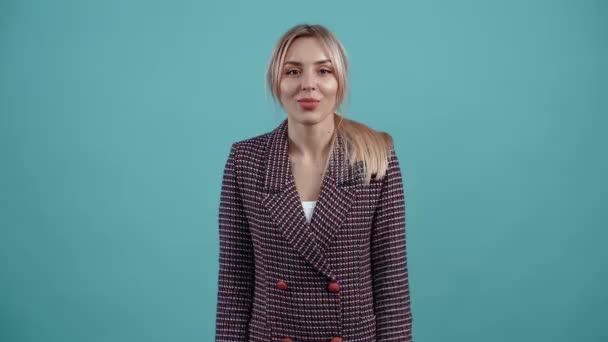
(116, 119)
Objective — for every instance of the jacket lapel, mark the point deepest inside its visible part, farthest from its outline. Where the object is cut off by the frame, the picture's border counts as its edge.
(282, 201)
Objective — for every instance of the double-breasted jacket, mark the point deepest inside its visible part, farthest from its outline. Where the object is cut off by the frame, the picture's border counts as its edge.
(341, 277)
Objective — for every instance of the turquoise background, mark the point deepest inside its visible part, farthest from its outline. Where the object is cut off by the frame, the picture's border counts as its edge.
(117, 118)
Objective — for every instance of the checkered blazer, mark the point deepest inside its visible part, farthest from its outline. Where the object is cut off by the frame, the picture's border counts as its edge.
(341, 277)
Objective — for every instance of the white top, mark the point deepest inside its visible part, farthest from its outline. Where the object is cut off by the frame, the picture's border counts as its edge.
(308, 206)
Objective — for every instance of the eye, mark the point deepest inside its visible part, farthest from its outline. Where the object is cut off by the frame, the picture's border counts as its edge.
(325, 71)
(290, 72)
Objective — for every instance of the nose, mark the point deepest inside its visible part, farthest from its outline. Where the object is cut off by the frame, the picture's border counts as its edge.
(309, 81)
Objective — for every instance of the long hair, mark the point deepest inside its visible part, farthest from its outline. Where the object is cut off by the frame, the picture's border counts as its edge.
(363, 144)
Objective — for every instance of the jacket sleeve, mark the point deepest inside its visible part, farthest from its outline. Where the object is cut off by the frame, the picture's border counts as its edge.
(236, 264)
(389, 260)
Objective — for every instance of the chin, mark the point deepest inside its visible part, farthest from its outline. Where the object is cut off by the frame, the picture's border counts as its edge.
(310, 117)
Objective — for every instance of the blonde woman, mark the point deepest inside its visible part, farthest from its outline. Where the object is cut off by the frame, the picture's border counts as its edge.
(312, 214)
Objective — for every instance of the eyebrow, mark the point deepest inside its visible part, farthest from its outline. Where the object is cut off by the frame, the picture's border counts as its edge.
(317, 62)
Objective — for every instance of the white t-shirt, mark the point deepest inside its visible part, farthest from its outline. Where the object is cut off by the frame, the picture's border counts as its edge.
(308, 206)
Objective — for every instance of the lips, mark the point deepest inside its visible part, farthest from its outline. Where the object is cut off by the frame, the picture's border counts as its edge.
(308, 104)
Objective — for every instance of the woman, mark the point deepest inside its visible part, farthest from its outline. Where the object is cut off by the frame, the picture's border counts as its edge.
(312, 214)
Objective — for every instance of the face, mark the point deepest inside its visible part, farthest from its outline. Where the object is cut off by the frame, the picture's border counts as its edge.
(308, 84)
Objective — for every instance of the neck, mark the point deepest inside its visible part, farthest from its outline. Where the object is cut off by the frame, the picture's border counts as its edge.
(311, 142)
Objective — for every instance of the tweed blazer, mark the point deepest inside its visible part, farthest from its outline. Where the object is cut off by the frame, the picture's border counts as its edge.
(341, 277)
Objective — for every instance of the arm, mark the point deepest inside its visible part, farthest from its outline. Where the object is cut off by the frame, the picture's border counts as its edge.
(236, 267)
(389, 260)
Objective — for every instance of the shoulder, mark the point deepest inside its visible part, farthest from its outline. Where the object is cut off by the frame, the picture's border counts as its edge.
(249, 149)
(253, 143)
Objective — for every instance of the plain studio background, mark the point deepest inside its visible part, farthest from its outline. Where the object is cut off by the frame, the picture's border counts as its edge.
(117, 118)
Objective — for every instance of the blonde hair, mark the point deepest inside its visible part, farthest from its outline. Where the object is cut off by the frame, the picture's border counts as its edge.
(362, 143)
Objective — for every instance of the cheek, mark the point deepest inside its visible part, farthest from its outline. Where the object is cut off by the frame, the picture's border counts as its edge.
(330, 88)
(287, 89)
(287, 85)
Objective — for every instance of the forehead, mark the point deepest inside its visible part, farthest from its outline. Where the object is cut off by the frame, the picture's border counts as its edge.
(306, 50)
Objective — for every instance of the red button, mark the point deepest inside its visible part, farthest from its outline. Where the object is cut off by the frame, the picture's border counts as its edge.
(288, 339)
(336, 339)
(334, 286)
(282, 285)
